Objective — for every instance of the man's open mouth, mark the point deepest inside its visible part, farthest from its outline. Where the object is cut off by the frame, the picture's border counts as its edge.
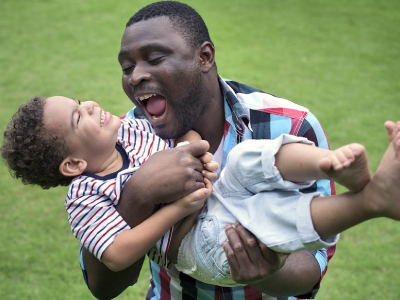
(154, 104)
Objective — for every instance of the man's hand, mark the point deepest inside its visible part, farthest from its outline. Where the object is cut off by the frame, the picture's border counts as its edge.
(272, 273)
(250, 260)
(170, 174)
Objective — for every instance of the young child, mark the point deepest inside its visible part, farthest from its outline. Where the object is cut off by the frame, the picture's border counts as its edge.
(50, 141)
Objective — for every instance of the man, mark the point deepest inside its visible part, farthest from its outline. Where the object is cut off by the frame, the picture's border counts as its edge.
(170, 74)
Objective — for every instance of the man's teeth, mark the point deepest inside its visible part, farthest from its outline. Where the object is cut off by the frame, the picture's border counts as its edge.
(102, 117)
(144, 97)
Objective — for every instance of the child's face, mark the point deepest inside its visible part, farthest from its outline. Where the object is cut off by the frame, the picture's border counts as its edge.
(89, 132)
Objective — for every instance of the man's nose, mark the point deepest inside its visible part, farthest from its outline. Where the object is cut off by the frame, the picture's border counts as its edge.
(139, 73)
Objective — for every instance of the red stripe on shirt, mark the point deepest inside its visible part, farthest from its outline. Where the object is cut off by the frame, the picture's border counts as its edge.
(140, 144)
(150, 147)
(217, 293)
(287, 112)
(296, 124)
(226, 128)
(167, 247)
(93, 184)
(83, 208)
(94, 247)
(78, 189)
(250, 293)
(108, 187)
(96, 228)
(77, 233)
(165, 285)
(69, 206)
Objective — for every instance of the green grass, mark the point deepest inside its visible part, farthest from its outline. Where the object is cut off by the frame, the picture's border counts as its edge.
(338, 58)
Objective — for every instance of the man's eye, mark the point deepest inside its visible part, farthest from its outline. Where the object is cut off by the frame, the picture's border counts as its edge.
(128, 69)
(79, 118)
(155, 61)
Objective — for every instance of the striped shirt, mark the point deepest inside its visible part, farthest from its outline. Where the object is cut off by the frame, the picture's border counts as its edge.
(249, 114)
(91, 199)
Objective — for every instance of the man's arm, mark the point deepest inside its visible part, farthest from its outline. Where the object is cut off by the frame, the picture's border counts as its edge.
(166, 176)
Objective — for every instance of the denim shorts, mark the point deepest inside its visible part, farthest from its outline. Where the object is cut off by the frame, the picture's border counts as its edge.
(201, 254)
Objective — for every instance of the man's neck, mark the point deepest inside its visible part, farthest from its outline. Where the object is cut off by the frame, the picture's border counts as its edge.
(212, 121)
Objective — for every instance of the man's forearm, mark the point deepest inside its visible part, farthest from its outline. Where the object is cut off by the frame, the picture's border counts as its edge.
(298, 276)
(104, 283)
(132, 208)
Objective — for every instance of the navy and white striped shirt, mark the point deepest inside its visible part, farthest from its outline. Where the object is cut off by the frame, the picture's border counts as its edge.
(91, 199)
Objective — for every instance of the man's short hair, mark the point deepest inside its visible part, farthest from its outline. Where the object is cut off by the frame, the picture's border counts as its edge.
(184, 19)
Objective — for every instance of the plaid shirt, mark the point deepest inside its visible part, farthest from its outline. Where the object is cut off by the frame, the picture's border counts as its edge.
(249, 114)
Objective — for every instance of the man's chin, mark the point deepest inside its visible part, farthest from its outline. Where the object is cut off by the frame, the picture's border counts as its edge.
(164, 133)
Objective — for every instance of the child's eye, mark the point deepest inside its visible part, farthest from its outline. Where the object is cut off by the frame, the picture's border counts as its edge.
(79, 118)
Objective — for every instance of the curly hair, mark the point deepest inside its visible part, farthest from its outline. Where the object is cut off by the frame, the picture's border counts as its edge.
(32, 153)
(183, 17)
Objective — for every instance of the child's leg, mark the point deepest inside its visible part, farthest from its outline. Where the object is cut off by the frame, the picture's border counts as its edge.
(379, 198)
(347, 165)
(384, 189)
(250, 167)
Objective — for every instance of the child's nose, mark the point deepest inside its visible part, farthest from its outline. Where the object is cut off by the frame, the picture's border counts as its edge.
(90, 105)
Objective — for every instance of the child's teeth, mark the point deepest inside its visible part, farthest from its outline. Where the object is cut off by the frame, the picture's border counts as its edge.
(101, 118)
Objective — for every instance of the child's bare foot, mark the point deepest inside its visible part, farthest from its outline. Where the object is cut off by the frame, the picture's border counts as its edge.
(347, 166)
(383, 191)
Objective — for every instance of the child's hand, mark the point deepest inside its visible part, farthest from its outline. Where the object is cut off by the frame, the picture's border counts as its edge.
(195, 200)
(210, 166)
(191, 136)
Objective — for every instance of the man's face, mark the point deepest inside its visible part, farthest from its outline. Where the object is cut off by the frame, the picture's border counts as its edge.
(162, 76)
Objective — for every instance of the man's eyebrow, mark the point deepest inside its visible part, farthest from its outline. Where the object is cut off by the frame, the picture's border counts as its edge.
(122, 53)
(154, 45)
(144, 48)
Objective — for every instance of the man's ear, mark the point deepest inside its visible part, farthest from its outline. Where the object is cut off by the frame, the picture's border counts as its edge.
(206, 56)
(72, 167)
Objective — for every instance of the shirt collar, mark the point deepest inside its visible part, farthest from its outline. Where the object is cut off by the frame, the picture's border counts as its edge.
(240, 118)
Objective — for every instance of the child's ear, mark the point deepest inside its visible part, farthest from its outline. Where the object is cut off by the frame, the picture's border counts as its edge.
(72, 167)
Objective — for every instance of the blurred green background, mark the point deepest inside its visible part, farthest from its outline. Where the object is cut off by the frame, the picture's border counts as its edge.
(338, 58)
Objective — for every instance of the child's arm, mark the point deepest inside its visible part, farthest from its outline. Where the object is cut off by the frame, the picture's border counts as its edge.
(191, 136)
(131, 245)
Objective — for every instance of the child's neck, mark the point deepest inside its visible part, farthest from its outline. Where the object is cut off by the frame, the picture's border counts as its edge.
(115, 164)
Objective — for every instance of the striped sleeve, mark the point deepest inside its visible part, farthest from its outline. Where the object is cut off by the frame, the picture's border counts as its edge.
(92, 215)
(140, 141)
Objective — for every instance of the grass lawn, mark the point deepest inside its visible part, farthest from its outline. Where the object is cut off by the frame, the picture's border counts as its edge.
(338, 58)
